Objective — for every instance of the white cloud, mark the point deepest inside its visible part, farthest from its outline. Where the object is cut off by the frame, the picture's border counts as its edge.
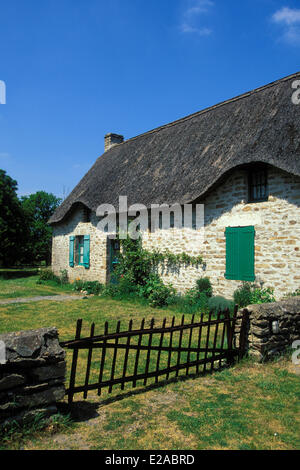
(191, 17)
(289, 20)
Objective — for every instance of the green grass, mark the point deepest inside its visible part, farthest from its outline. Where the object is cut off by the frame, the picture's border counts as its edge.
(27, 287)
(248, 406)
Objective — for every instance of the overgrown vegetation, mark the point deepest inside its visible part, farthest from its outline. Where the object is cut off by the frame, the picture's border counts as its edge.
(14, 435)
(249, 293)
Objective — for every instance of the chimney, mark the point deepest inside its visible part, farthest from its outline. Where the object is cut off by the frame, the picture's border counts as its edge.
(110, 140)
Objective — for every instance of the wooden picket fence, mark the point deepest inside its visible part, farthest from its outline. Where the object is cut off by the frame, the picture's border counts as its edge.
(149, 352)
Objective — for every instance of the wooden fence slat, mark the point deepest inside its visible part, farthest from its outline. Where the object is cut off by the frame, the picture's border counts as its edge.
(207, 340)
(190, 344)
(114, 359)
(89, 361)
(179, 346)
(126, 355)
(159, 349)
(199, 341)
(102, 359)
(138, 353)
(170, 346)
(215, 342)
(149, 352)
(74, 363)
(222, 339)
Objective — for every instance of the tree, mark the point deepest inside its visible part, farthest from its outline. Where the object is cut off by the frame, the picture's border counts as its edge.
(38, 209)
(13, 231)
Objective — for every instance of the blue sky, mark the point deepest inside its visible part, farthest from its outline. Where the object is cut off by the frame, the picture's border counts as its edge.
(77, 69)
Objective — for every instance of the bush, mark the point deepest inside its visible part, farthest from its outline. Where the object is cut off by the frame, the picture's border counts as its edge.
(204, 286)
(161, 296)
(47, 275)
(293, 294)
(157, 293)
(90, 287)
(134, 262)
(218, 303)
(248, 294)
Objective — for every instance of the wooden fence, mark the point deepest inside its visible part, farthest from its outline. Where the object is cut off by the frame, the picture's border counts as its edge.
(150, 353)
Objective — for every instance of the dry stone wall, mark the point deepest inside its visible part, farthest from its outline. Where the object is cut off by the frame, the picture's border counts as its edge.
(32, 375)
(272, 328)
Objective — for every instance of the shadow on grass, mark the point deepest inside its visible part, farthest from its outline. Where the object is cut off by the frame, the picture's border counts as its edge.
(17, 273)
(85, 410)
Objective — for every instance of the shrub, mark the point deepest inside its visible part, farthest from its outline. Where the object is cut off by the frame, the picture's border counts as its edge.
(134, 262)
(204, 286)
(219, 303)
(47, 275)
(90, 287)
(157, 293)
(161, 296)
(248, 294)
(293, 294)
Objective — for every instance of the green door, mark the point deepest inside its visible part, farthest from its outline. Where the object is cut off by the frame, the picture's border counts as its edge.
(114, 254)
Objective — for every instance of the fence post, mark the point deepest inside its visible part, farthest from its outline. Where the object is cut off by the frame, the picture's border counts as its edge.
(74, 364)
(243, 340)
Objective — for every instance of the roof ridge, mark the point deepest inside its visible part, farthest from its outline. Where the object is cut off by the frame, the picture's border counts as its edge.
(211, 108)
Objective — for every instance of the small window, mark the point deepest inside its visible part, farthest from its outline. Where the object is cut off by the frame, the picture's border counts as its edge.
(79, 250)
(258, 185)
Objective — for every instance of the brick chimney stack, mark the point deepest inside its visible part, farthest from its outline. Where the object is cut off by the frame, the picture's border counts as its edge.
(110, 140)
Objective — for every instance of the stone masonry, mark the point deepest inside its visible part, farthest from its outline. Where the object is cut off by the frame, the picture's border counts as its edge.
(32, 377)
(262, 341)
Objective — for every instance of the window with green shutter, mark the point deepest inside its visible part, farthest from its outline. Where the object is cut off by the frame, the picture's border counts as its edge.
(240, 253)
(79, 251)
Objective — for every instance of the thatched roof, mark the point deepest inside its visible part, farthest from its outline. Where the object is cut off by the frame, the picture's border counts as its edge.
(181, 161)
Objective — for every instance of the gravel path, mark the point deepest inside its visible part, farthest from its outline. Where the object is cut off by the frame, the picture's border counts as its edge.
(57, 298)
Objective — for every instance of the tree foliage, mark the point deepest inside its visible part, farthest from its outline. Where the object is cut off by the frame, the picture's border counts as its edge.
(37, 209)
(13, 227)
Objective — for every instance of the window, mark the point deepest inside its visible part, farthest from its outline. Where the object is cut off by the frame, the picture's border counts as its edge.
(258, 185)
(240, 253)
(79, 251)
(86, 215)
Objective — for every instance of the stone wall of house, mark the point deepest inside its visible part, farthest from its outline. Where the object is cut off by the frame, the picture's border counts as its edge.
(98, 248)
(277, 243)
(263, 342)
(32, 374)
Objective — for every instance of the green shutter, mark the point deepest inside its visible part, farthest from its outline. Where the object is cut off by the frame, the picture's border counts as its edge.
(86, 251)
(71, 251)
(232, 268)
(246, 253)
(240, 253)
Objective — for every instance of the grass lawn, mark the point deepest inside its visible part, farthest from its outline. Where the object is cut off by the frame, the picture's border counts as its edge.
(249, 406)
(27, 287)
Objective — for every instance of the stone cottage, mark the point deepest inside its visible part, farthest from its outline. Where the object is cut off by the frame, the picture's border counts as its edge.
(239, 158)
